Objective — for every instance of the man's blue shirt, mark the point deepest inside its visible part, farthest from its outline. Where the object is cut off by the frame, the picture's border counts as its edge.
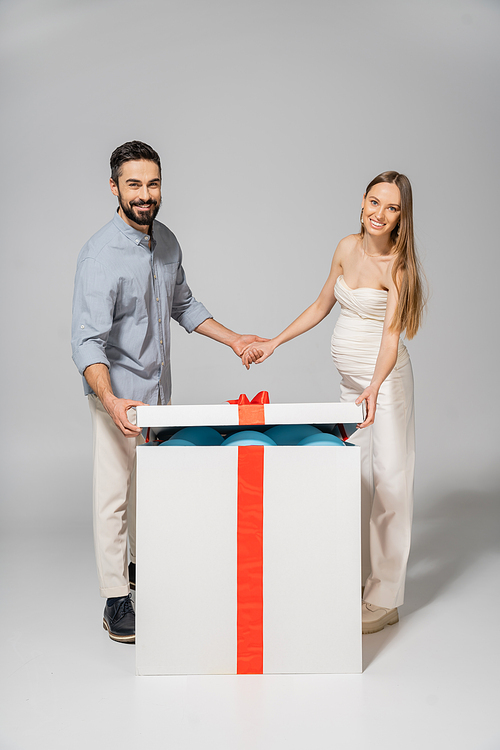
(125, 295)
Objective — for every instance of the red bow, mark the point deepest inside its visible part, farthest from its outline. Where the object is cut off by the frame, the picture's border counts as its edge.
(260, 398)
(251, 412)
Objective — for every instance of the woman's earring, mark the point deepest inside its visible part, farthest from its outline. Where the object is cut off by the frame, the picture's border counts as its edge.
(361, 217)
(398, 228)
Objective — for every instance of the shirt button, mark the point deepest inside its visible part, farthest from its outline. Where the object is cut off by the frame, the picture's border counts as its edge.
(82, 326)
(157, 299)
(159, 320)
(137, 242)
(162, 364)
(161, 341)
(155, 276)
(146, 237)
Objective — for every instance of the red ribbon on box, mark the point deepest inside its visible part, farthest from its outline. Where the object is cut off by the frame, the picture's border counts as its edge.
(250, 542)
(251, 412)
(250, 560)
(343, 433)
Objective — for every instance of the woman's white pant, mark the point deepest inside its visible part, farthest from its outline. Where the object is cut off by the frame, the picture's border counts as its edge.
(114, 500)
(387, 470)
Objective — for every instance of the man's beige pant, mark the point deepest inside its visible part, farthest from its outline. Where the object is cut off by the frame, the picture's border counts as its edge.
(114, 500)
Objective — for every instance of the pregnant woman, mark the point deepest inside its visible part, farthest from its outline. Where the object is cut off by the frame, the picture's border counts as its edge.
(376, 278)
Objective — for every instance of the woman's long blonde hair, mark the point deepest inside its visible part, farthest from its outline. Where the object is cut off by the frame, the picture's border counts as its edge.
(406, 271)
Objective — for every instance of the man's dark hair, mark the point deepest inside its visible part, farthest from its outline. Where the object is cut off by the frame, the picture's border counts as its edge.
(131, 151)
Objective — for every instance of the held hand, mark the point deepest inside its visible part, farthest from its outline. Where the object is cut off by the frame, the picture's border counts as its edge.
(117, 409)
(369, 395)
(240, 345)
(257, 354)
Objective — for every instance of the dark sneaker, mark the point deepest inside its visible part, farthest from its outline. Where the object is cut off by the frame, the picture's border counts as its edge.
(131, 575)
(119, 620)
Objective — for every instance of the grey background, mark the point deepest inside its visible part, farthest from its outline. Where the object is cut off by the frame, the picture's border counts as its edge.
(270, 118)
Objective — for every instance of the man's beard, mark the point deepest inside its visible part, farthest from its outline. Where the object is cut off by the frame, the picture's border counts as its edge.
(142, 218)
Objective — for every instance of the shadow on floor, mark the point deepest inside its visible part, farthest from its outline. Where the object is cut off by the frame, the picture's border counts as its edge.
(450, 536)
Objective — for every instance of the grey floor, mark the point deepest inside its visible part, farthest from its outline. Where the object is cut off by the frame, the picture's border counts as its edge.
(429, 682)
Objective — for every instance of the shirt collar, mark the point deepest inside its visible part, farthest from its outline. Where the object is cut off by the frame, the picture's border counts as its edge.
(137, 237)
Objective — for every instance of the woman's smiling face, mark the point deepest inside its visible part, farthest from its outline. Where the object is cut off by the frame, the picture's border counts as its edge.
(381, 209)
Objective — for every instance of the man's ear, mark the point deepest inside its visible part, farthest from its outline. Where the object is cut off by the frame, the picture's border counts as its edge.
(113, 186)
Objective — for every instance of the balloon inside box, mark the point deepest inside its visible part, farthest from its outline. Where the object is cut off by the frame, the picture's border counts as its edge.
(293, 434)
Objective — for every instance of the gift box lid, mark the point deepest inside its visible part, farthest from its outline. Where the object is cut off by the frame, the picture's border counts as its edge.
(228, 415)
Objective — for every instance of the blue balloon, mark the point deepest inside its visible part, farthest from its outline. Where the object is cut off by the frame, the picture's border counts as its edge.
(199, 435)
(248, 437)
(176, 441)
(324, 438)
(291, 434)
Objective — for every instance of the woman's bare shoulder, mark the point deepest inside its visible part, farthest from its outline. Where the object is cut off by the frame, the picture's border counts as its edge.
(347, 245)
(390, 283)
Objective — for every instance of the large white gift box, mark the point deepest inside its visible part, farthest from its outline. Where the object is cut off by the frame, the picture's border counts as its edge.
(248, 557)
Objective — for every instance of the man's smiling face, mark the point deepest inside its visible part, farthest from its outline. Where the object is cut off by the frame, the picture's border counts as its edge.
(139, 192)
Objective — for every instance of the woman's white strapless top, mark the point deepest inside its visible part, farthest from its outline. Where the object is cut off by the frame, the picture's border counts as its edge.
(358, 332)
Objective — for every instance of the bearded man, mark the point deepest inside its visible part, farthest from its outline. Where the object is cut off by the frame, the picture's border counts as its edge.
(129, 284)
